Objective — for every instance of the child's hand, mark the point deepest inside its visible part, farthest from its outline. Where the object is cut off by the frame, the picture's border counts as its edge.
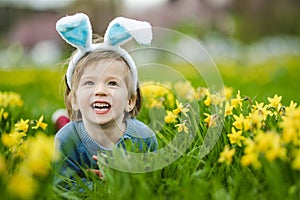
(96, 171)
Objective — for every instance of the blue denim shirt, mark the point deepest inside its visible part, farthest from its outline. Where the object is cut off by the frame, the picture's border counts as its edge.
(76, 147)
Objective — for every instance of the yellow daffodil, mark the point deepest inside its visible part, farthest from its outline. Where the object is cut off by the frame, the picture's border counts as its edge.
(22, 125)
(275, 101)
(156, 103)
(12, 139)
(235, 102)
(185, 90)
(10, 99)
(228, 109)
(217, 99)
(226, 155)
(271, 145)
(157, 95)
(262, 110)
(38, 159)
(200, 93)
(235, 137)
(255, 120)
(211, 120)
(22, 185)
(180, 108)
(251, 154)
(291, 107)
(40, 124)
(170, 117)
(290, 125)
(239, 120)
(207, 101)
(182, 127)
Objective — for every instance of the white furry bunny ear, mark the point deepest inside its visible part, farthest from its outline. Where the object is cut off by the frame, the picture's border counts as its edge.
(76, 30)
(121, 29)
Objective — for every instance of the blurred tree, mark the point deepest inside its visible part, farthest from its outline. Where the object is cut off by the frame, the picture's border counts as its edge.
(258, 18)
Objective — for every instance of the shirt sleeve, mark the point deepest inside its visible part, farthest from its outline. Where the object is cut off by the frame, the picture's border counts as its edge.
(68, 171)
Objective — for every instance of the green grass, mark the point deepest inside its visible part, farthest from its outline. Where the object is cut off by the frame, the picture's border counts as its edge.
(277, 76)
(42, 90)
(189, 177)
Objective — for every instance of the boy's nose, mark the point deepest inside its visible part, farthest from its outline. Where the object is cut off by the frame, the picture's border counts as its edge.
(100, 90)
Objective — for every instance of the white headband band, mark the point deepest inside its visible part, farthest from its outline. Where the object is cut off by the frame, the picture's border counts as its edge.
(77, 31)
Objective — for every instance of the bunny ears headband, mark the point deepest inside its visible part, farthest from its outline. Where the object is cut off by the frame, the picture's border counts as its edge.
(77, 31)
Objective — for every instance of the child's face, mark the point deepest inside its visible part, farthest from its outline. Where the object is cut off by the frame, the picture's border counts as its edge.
(102, 95)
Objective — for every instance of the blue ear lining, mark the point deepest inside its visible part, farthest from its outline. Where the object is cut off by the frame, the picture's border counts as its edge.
(118, 34)
(78, 35)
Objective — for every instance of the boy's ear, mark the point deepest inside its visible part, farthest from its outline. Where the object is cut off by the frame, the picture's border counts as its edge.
(131, 103)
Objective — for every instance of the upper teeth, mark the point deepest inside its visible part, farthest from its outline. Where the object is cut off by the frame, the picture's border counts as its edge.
(100, 105)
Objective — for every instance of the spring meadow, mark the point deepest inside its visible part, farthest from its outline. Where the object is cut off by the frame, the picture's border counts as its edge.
(227, 123)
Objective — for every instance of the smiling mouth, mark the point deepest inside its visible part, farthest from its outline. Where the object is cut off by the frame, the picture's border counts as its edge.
(101, 107)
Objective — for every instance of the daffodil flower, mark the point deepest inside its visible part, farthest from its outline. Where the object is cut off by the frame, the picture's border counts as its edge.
(180, 109)
(235, 137)
(275, 101)
(182, 127)
(226, 155)
(22, 125)
(40, 124)
(170, 117)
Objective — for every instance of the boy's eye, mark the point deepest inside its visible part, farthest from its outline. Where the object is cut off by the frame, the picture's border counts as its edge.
(89, 83)
(112, 83)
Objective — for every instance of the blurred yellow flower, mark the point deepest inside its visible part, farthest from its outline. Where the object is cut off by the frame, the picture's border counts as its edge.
(250, 159)
(256, 120)
(235, 102)
(262, 110)
(217, 99)
(228, 92)
(157, 95)
(12, 139)
(39, 155)
(271, 145)
(22, 185)
(182, 127)
(200, 93)
(275, 101)
(251, 154)
(210, 120)
(290, 125)
(207, 101)
(180, 108)
(228, 109)
(235, 137)
(296, 161)
(3, 114)
(40, 124)
(156, 103)
(291, 107)
(184, 89)
(226, 155)
(170, 117)
(239, 120)
(10, 99)
(22, 125)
